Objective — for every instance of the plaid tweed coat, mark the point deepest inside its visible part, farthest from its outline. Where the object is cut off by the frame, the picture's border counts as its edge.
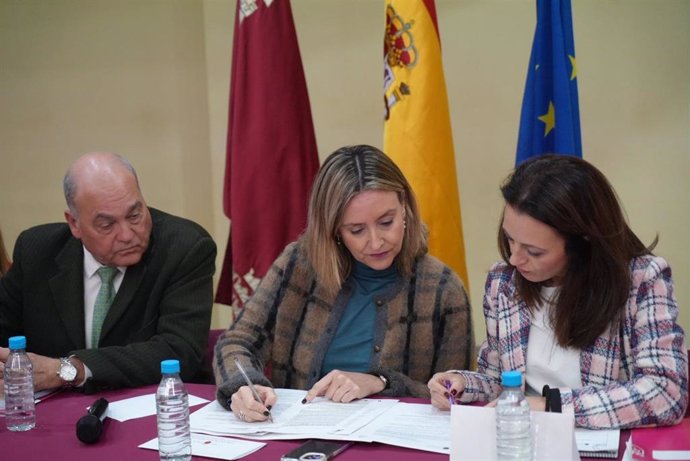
(633, 375)
(423, 325)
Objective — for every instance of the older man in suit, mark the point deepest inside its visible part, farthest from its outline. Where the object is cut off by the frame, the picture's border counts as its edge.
(87, 329)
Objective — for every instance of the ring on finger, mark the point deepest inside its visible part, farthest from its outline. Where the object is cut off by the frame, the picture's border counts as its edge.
(243, 417)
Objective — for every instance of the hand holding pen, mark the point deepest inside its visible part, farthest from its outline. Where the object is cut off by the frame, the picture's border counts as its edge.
(247, 403)
(445, 389)
(451, 393)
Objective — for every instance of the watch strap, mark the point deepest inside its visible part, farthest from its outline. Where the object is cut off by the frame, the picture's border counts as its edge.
(382, 377)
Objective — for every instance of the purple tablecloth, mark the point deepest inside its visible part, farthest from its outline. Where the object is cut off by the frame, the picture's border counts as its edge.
(54, 436)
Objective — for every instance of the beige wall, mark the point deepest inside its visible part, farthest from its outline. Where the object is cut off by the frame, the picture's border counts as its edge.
(149, 79)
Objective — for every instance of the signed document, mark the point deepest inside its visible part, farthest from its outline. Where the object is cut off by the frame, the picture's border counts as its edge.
(292, 419)
(418, 426)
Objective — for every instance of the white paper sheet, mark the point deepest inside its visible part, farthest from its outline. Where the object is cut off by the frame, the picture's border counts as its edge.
(671, 455)
(472, 433)
(417, 426)
(215, 447)
(215, 420)
(411, 425)
(138, 407)
(320, 418)
(627, 454)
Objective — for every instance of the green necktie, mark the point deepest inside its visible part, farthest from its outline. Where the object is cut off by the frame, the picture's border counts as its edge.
(104, 299)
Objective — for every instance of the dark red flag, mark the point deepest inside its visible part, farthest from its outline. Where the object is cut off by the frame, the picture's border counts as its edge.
(271, 154)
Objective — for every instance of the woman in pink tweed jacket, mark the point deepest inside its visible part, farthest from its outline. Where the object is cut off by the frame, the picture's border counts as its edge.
(579, 304)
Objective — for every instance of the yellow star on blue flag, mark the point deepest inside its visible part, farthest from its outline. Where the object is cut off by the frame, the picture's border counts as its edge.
(550, 117)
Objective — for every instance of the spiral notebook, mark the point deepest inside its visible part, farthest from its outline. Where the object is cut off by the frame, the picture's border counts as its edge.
(597, 443)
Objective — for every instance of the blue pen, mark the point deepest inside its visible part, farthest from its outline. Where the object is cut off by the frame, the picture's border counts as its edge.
(451, 399)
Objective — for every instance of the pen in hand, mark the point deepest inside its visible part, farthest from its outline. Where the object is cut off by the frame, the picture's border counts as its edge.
(249, 382)
(451, 399)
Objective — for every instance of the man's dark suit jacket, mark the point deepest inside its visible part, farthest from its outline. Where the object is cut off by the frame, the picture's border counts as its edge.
(162, 309)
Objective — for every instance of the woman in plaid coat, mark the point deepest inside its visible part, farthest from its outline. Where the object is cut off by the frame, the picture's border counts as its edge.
(356, 306)
(579, 304)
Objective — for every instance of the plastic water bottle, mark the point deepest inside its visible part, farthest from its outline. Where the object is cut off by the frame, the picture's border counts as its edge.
(20, 411)
(172, 409)
(513, 437)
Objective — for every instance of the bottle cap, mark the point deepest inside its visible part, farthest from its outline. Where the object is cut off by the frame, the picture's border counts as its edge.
(17, 342)
(511, 378)
(170, 366)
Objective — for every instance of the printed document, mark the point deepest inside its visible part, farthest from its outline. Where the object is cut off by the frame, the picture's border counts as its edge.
(411, 425)
(418, 426)
(320, 418)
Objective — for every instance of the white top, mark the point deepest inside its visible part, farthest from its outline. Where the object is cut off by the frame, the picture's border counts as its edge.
(547, 362)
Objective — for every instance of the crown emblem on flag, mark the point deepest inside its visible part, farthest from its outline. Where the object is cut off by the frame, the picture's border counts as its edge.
(399, 52)
(399, 48)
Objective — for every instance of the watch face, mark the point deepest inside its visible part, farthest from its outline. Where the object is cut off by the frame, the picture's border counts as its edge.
(67, 371)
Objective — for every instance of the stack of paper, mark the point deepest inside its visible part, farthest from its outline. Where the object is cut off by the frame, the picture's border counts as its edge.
(368, 420)
(416, 426)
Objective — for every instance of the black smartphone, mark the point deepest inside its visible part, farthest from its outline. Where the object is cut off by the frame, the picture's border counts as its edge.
(316, 450)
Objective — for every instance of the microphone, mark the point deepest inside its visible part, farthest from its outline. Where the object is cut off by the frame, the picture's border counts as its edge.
(90, 427)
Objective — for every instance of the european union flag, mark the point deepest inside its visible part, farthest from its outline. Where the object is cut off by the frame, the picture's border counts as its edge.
(550, 118)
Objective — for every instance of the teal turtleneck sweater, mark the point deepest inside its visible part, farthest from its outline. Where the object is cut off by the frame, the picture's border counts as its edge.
(352, 344)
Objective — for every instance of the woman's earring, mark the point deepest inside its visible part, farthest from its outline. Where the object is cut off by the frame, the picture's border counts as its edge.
(404, 224)
(337, 240)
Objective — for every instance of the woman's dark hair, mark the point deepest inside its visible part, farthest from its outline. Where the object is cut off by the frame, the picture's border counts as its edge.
(575, 198)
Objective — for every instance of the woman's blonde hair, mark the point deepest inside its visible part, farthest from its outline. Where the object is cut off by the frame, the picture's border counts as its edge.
(344, 174)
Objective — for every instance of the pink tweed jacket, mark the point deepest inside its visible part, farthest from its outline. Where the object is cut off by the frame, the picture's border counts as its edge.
(633, 375)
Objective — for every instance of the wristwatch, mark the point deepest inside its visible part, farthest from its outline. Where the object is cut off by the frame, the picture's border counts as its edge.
(386, 382)
(67, 372)
(383, 378)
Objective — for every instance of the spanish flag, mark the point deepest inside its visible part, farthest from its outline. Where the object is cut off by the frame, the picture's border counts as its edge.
(417, 131)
